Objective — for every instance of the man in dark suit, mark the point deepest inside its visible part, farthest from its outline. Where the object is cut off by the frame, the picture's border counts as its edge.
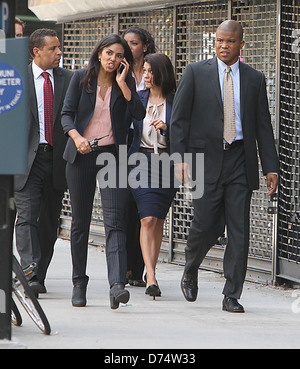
(39, 193)
(202, 115)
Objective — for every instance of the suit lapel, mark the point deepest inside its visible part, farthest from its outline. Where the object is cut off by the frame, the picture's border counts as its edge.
(32, 101)
(115, 93)
(144, 97)
(243, 88)
(93, 94)
(213, 64)
(168, 112)
(59, 81)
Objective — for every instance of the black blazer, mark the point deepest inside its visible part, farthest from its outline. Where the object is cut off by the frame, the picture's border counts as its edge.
(80, 104)
(197, 120)
(62, 78)
(138, 124)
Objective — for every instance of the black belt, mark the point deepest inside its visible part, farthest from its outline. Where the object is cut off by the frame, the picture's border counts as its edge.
(45, 147)
(106, 148)
(227, 146)
(145, 149)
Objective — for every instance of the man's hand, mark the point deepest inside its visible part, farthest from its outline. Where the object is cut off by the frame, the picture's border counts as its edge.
(272, 183)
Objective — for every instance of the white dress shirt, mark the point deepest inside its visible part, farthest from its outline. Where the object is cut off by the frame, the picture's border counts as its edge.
(39, 91)
(235, 74)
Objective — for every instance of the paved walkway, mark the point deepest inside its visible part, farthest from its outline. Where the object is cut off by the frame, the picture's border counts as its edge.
(272, 317)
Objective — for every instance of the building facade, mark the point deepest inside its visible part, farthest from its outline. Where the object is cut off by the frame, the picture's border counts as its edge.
(185, 31)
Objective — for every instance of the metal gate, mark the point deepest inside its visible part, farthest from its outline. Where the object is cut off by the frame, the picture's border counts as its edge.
(288, 250)
(186, 34)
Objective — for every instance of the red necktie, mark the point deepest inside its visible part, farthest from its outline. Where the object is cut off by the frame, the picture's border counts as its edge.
(48, 107)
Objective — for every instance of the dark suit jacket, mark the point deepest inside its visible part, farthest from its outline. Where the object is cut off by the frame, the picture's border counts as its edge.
(80, 104)
(138, 124)
(61, 81)
(197, 120)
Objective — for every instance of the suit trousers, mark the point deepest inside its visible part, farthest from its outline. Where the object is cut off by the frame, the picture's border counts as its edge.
(38, 211)
(225, 203)
(81, 178)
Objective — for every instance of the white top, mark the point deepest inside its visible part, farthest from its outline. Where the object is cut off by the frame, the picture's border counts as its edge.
(39, 91)
(151, 138)
(142, 85)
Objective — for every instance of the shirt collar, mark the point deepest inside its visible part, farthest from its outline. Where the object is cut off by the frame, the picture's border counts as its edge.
(37, 71)
(234, 67)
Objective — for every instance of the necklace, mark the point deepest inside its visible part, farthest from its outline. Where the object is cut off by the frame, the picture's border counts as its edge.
(104, 85)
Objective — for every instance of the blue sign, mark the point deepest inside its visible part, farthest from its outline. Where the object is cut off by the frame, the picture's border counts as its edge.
(4, 16)
(11, 87)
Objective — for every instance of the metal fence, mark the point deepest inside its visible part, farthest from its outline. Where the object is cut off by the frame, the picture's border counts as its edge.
(186, 34)
(288, 251)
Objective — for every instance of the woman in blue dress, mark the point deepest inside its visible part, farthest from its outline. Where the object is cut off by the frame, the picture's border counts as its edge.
(151, 138)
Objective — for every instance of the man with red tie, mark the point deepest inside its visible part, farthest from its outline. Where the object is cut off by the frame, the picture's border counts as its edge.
(39, 193)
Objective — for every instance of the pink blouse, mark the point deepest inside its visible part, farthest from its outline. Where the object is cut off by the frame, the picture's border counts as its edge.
(100, 123)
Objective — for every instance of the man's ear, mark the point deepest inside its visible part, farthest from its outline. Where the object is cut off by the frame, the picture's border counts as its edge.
(35, 51)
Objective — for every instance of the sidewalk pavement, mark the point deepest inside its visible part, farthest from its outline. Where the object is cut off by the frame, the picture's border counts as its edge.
(272, 317)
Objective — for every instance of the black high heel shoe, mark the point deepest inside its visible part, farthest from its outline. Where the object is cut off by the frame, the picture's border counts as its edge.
(153, 290)
(117, 295)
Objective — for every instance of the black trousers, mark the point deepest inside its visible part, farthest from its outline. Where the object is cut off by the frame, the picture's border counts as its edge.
(38, 207)
(135, 261)
(225, 203)
(81, 178)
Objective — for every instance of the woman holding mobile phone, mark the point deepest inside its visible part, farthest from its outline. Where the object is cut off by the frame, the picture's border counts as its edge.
(96, 106)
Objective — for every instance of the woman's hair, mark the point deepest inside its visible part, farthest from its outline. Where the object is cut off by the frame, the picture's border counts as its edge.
(94, 64)
(145, 37)
(163, 73)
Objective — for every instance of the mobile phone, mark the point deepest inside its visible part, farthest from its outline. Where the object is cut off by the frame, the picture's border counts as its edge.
(120, 68)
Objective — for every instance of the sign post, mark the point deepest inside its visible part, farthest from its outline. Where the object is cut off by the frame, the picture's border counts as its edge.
(13, 146)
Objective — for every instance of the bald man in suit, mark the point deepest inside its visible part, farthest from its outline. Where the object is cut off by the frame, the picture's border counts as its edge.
(230, 169)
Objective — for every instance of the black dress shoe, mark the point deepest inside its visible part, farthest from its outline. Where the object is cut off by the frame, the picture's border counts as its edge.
(35, 286)
(136, 283)
(79, 296)
(230, 304)
(44, 289)
(189, 286)
(117, 295)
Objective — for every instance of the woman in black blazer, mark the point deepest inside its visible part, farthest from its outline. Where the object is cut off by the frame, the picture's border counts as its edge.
(96, 105)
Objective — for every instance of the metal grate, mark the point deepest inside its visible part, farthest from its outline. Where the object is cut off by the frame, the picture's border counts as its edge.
(80, 38)
(196, 26)
(158, 22)
(289, 142)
